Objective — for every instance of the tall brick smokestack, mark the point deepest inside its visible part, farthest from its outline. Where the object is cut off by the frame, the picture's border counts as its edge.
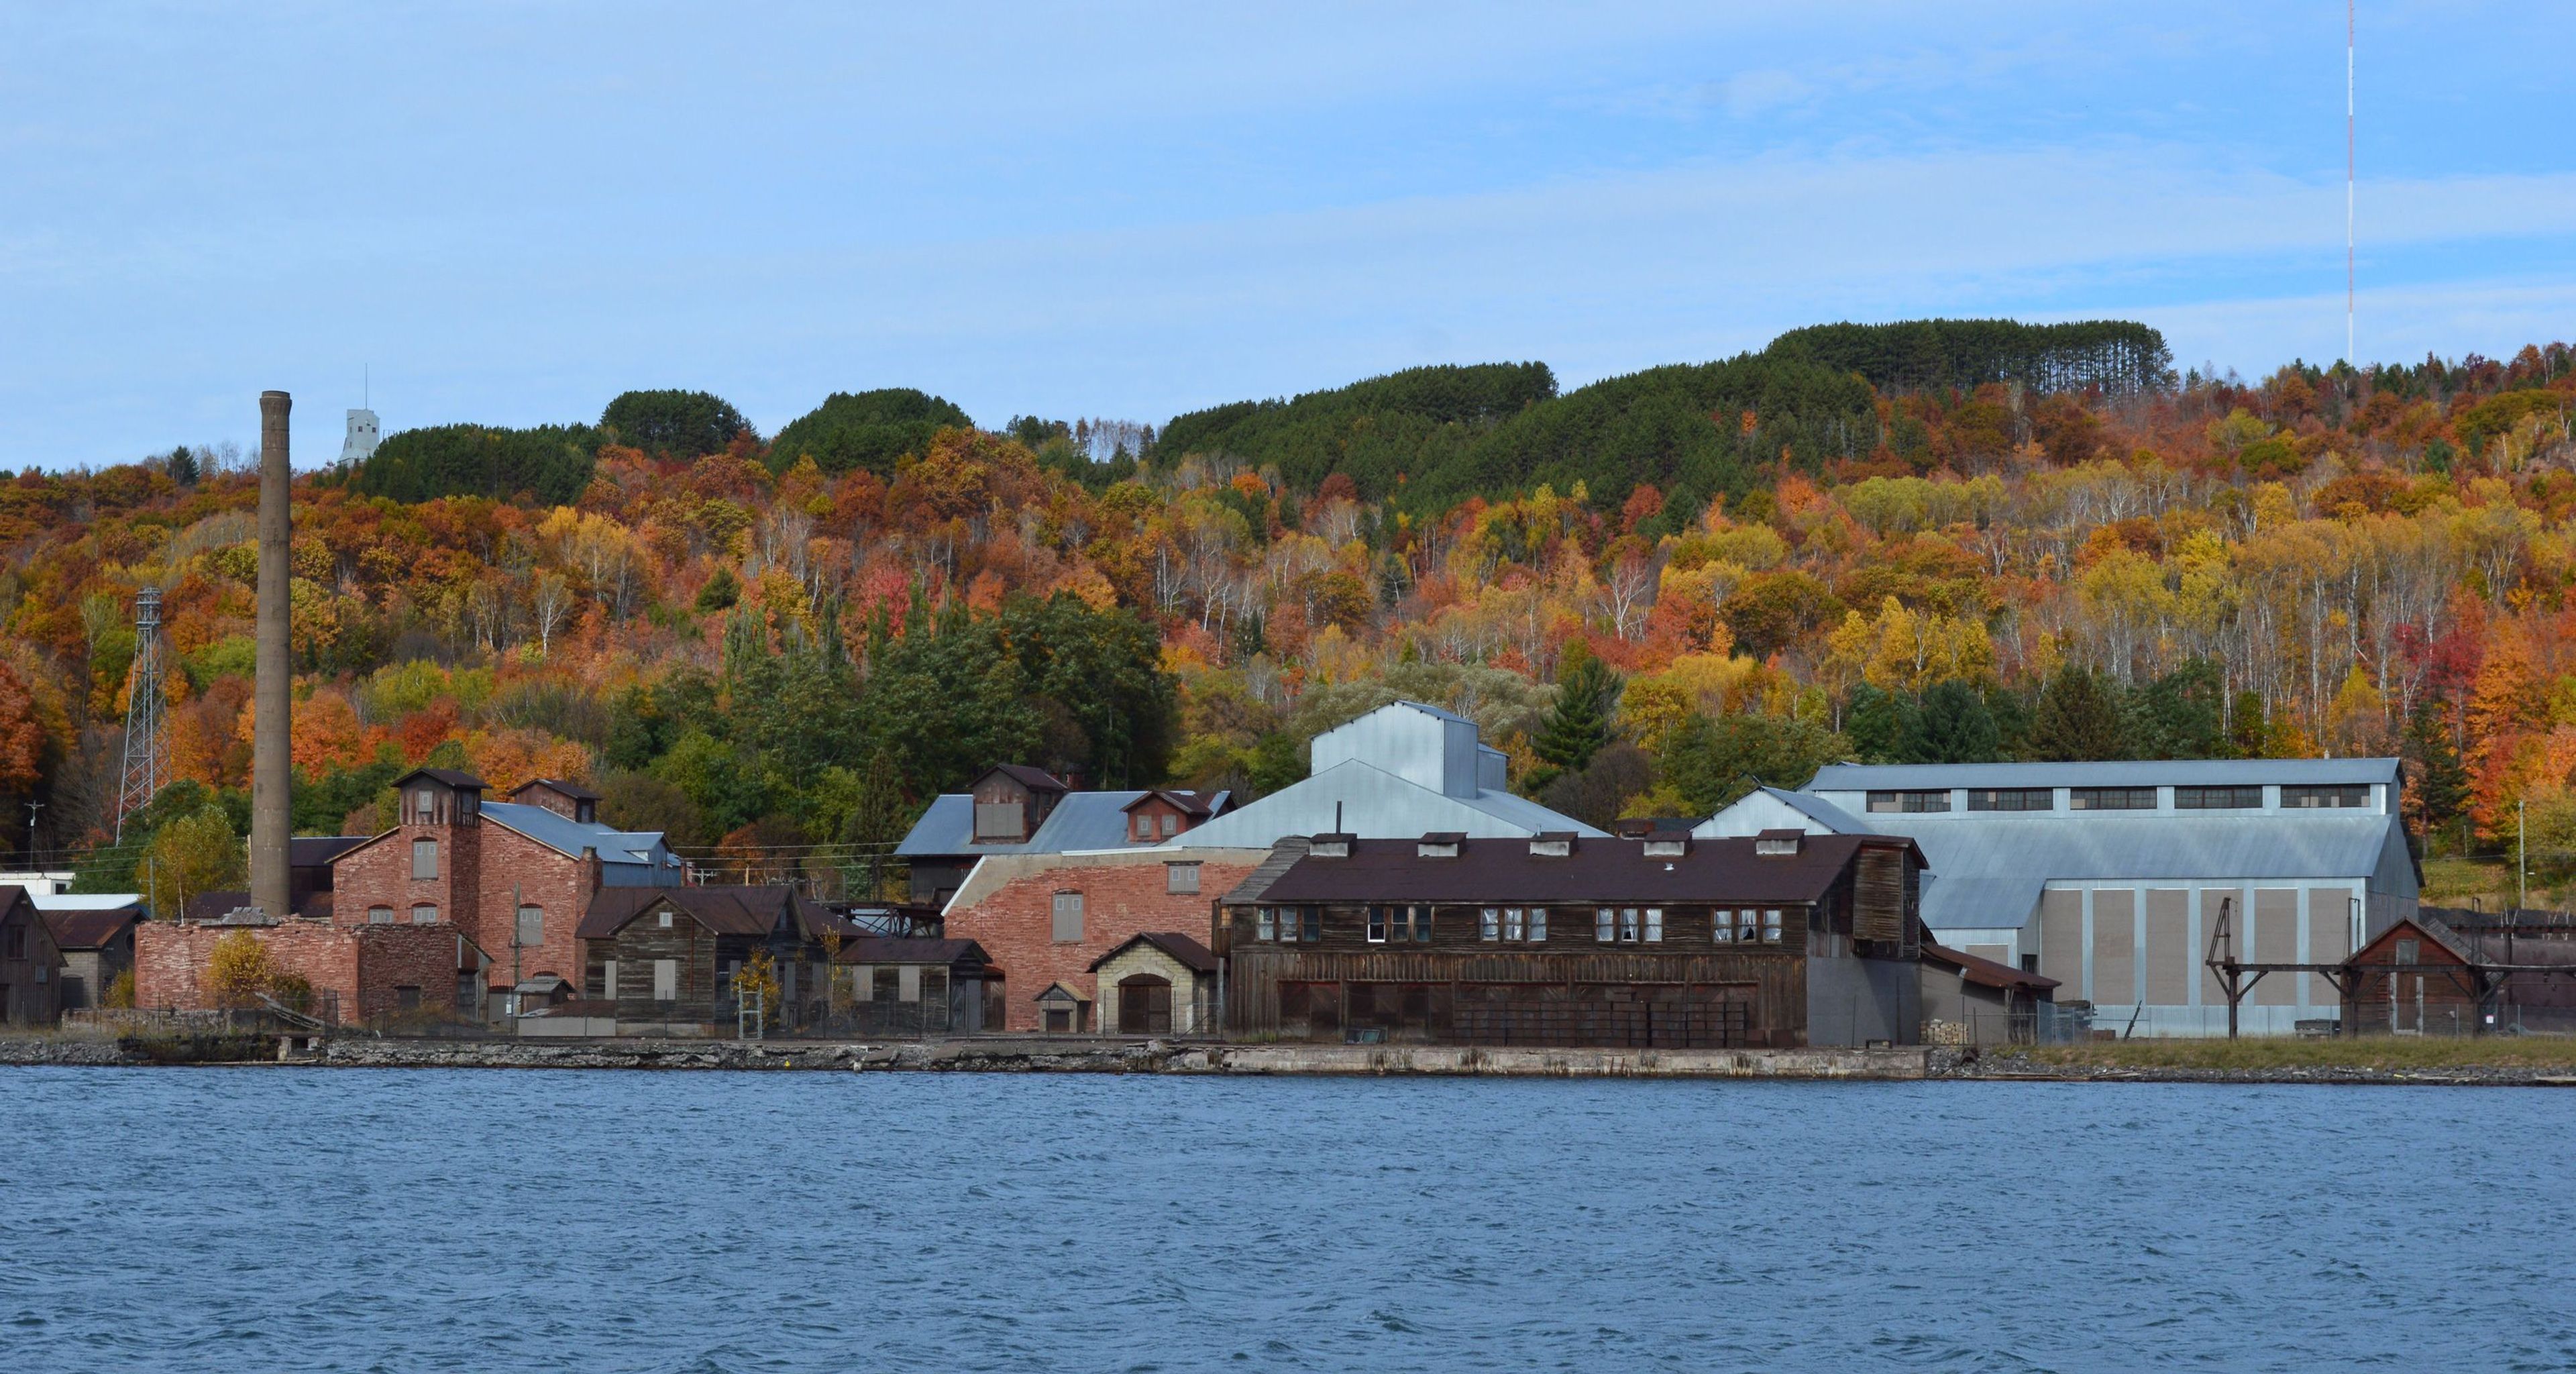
(272, 716)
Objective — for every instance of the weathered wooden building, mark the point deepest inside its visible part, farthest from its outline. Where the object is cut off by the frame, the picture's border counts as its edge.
(668, 955)
(2440, 972)
(1665, 940)
(30, 965)
(911, 987)
(1972, 1000)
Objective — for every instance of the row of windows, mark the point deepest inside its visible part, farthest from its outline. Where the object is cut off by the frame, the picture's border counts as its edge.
(2229, 798)
(1627, 925)
(531, 929)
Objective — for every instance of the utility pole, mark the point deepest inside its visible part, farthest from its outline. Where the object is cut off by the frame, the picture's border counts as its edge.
(32, 808)
(516, 901)
(2521, 854)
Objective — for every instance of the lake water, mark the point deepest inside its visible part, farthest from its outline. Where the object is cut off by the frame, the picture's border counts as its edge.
(340, 1219)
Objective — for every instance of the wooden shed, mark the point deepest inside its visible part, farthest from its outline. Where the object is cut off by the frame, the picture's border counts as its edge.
(895, 986)
(31, 965)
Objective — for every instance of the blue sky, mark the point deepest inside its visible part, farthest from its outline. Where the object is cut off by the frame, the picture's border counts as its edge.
(511, 212)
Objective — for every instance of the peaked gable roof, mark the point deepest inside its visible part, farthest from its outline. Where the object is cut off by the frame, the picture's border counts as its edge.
(1192, 955)
(733, 910)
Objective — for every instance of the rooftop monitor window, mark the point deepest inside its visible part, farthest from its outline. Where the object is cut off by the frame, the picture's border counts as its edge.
(2111, 798)
(1892, 802)
(2012, 799)
(1770, 844)
(2341, 795)
(1667, 847)
(2217, 798)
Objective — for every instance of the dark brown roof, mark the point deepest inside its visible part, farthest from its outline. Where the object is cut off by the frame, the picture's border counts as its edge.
(1503, 870)
(1187, 803)
(1984, 972)
(1192, 955)
(732, 910)
(446, 775)
(89, 929)
(316, 851)
(570, 789)
(1037, 778)
(891, 949)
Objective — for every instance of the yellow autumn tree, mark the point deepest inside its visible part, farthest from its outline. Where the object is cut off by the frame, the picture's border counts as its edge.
(239, 970)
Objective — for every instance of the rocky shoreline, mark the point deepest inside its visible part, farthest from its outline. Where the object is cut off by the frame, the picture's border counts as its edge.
(1033, 1055)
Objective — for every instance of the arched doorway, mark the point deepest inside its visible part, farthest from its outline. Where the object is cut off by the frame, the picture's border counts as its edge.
(1144, 1005)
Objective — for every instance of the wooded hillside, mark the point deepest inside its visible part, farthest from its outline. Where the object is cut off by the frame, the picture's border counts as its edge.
(1945, 541)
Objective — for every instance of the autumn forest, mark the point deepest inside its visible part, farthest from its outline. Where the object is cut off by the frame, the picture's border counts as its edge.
(1938, 541)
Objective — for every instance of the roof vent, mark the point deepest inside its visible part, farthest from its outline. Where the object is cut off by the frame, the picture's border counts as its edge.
(1552, 844)
(1779, 843)
(1440, 844)
(1331, 845)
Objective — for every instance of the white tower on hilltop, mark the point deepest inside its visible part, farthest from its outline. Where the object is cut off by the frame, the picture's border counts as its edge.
(361, 443)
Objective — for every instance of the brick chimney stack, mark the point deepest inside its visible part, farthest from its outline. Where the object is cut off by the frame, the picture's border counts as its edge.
(272, 717)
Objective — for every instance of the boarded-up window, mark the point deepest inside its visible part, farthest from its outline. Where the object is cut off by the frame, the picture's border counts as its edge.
(380, 915)
(666, 980)
(1181, 879)
(1000, 821)
(1068, 918)
(2169, 957)
(1878, 895)
(608, 979)
(2115, 947)
(532, 925)
(2061, 941)
(424, 859)
(407, 997)
(1171, 825)
(907, 984)
(424, 915)
(2329, 940)
(2276, 941)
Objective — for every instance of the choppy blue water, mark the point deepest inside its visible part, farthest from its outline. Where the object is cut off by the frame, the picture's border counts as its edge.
(268, 1219)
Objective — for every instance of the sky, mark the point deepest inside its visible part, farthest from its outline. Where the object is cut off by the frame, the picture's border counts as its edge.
(510, 212)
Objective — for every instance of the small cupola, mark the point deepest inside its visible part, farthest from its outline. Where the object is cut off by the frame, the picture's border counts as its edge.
(1440, 844)
(1552, 844)
(1779, 844)
(1332, 844)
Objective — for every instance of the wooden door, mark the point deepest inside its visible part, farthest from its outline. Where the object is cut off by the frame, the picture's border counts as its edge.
(1144, 1005)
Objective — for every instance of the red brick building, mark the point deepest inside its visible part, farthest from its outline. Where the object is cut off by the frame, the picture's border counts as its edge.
(500, 887)
(1048, 918)
(364, 972)
(514, 877)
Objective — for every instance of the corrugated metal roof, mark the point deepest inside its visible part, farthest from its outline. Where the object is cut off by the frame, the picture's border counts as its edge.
(94, 901)
(1861, 777)
(1081, 820)
(570, 837)
(1987, 872)
(1373, 803)
(1819, 810)
(87, 929)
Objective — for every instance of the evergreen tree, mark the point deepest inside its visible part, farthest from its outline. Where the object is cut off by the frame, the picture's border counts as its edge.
(1952, 725)
(878, 821)
(1579, 724)
(1878, 722)
(2178, 716)
(2442, 779)
(2077, 719)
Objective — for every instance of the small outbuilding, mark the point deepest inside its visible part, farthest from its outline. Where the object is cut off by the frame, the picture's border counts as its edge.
(96, 938)
(1157, 983)
(1064, 1010)
(1971, 1000)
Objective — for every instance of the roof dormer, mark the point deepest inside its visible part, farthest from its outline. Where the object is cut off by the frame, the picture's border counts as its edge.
(1667, 844)
(1552, 844)
(439, 796)
(1334, 844)
(1440, 844)
(567, 799)
(1779, 844)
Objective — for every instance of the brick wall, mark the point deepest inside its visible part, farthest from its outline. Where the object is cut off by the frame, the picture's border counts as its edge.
(1008, 907)
(365, 965)
(486, 871)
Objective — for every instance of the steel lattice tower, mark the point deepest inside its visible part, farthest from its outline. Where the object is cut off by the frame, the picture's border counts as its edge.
(147, 744)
